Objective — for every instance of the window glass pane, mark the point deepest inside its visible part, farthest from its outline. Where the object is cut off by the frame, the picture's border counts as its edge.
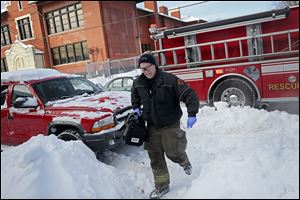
(2, 40)
(7, 38)
(25, 20)
(127, 82)
(73, 19)
(71, 7)
(19, 22)
(63, 10)
(116, 84)
(56, 57)
(80, 17)
(55, 13)
(81, 86)
(63, 55)
(22, 32)
(20, 91)
(65, 20)
(78, 5)
(3, 94)
(79, 14)
(81, 23)
(27, 31)
(58, 24)
(48, 14)
(71, 55)
(85, 53)
(78, 52)
(50, 25)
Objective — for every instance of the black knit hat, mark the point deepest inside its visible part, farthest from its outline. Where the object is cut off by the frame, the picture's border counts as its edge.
(147, 58)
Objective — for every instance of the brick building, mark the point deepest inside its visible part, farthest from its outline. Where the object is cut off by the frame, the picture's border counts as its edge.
(66, 35)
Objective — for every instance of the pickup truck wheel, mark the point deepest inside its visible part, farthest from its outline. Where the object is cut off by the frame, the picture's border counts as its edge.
(235, 92)
(69, 134)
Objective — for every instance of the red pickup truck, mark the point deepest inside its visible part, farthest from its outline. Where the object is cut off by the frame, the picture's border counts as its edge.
(45, 101)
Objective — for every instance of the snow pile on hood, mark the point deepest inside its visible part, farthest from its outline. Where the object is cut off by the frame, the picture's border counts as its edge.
(109, 100)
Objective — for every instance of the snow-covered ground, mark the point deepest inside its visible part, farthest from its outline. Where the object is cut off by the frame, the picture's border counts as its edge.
(235, 153)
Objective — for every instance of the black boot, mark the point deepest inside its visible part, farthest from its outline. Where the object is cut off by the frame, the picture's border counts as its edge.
(158, 193)
(188, 168)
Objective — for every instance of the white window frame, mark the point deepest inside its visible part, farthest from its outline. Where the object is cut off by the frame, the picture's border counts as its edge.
(17, 27)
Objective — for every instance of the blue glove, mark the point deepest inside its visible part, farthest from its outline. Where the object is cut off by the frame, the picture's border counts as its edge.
(137, 111)
(191, 121)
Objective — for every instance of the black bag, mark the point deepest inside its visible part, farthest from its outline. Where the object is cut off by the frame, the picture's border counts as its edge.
(135, 132)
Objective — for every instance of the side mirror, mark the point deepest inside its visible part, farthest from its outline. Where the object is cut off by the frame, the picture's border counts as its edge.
(25, 102)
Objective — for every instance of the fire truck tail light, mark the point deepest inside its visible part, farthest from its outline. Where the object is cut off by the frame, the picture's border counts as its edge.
(219, 71)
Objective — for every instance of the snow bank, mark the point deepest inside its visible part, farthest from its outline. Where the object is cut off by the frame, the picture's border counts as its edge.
(46, 167)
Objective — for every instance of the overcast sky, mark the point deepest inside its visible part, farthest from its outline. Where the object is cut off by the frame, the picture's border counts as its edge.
(217, 10)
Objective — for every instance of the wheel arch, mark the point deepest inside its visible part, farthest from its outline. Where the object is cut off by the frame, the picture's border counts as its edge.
(57, 127)
(220, 79)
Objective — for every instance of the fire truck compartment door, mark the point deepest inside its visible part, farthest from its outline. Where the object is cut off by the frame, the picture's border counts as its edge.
(280, 80)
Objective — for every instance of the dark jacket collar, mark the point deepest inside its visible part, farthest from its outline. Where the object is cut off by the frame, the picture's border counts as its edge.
(157, 78)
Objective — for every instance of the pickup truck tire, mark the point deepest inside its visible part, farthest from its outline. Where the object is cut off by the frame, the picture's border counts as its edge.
(69, 134)
(236, 92)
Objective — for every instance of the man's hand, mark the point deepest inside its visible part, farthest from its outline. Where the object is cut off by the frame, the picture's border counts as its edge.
(137, 111)
(191, 121)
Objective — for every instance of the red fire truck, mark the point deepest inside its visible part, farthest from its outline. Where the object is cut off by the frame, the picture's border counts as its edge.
(250, 60)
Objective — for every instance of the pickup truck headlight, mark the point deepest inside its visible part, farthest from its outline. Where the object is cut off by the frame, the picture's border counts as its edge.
(103, 124)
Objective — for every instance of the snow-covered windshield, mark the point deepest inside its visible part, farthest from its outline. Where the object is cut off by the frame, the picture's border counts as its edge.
(62, 88)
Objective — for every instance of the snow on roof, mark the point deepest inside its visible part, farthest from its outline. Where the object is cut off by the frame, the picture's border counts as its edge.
(29, 74)
(189, 18)
(18, 42)
(162, 14)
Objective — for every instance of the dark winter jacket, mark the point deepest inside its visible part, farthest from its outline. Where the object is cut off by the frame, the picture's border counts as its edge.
(160, 98)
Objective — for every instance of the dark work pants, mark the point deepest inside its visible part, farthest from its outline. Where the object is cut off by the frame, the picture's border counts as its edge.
(169, 140)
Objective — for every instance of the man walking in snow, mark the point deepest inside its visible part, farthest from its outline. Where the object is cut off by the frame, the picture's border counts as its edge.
(159, 93)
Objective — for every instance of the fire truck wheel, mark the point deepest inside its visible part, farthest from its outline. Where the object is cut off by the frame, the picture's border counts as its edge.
(69, 134)
(235, 92)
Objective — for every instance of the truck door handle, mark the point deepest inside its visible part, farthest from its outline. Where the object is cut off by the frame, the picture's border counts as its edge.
(10, 117)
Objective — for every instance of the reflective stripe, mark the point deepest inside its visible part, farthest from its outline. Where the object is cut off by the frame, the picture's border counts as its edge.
(185, 76)
(280, 68)
(275, 68)
(161, 179)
